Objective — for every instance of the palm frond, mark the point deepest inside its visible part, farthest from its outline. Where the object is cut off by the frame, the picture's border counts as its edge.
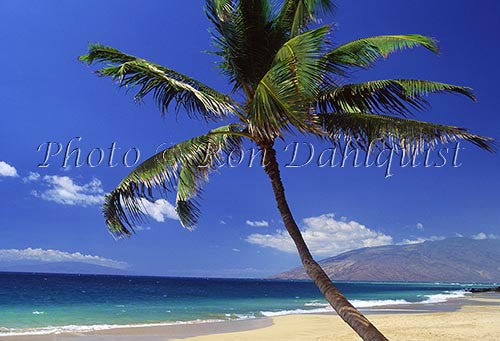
(364, 52)
(223, 9)
(165, 84)
(283, 95)
(227, 37)
(244, 39)
(183, 167)
(296, 14)
(385, 96)
(368, 129)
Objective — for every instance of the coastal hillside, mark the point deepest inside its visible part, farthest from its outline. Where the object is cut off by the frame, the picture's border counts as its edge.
(453, 259)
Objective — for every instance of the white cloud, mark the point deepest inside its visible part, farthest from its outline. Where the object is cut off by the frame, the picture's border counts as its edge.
(420, 226)
(480, 236)
(63, 190)
(325, 236)
(222, 222)
(421, 240)
(7, 170)
(159, 210)
(54, 256)
(257, 223)
(483, 236)
(236, 250)
(33, 176)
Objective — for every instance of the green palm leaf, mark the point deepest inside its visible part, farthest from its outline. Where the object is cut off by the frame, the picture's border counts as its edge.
(364, 129)
(296, 14)
(364, 52)
(166, 85)
(385, 96)
(284, 93)
(244, 38)
(183, 167)
(223, 9)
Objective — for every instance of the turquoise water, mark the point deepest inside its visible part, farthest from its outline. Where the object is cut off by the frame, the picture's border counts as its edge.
(48, 303)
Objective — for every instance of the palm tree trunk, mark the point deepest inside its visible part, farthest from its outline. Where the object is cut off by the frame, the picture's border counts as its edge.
(342, 306)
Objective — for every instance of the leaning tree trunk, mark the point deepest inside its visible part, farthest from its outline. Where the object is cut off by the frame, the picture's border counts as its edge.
(342, 306)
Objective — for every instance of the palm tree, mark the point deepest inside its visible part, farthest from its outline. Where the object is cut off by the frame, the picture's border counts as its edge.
(293, 80)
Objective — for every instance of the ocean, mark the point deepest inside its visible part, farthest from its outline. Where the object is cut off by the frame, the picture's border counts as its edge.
(54, 303)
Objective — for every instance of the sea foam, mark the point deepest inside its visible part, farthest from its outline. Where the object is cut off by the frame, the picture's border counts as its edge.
(441, 298)
(89, 328)
(360, 304)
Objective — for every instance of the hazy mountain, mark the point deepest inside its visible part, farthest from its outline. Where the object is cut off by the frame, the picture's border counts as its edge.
(63, 267)
(454, 259)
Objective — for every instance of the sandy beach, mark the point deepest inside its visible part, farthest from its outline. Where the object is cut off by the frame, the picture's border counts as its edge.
(476, 317)
(479, 319)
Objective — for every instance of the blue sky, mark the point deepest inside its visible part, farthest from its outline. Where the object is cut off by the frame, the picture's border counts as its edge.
(47, 95)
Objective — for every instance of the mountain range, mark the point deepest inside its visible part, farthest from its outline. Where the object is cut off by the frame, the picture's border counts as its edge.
(448, 260)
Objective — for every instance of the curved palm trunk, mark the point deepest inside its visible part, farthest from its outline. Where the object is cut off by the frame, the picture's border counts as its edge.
(342, 306)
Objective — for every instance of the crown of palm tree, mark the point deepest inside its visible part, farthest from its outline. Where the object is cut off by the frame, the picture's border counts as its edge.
(293, 79)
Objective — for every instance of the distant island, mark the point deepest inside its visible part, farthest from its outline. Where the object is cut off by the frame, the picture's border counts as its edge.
(64, 268)
(448, 260)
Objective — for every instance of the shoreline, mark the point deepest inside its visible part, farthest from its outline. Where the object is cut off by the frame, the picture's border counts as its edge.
(475, 319)
(195, 330)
